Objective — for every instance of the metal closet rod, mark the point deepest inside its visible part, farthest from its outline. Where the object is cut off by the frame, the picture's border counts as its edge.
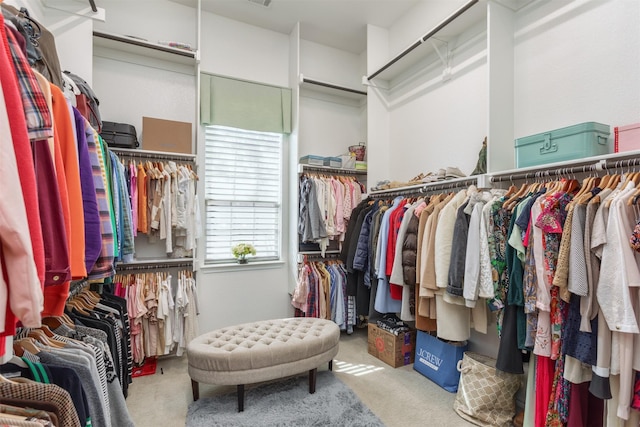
(426, 37)
(560, 171)
(426, 189)
(334, 171)
(314, 257)
(158, 266)
(546, 173)
(332, 86)
(123, 152)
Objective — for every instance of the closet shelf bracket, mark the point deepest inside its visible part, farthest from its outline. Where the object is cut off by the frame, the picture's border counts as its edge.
(79, 8)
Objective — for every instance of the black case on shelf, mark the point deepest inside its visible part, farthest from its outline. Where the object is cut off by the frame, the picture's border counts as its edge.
(120, 135)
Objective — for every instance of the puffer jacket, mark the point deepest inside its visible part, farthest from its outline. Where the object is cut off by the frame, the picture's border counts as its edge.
(409, 252)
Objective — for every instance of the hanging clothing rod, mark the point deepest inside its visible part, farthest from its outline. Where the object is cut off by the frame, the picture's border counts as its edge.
(546, 173)
(619, 164)
(422, 189)
(426, 37)
(319, 257)
(332, 171)
(154, 266)
(155, 155)
(332, 86)
(599, 166)
(77, 286)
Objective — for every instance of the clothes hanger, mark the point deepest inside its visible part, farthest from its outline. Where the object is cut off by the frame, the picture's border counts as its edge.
(26, 344)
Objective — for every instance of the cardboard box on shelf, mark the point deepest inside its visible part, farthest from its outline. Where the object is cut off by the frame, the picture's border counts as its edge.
(394, 350)
(166, 135)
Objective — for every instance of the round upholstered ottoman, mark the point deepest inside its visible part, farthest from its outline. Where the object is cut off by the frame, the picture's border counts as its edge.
(262, 351)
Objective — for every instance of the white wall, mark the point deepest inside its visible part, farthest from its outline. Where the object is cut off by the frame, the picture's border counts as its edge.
(331, 65)
(228, 296)
(234, 49)
(128, 91)
(152, 20)
(330, 124)
(433, 123)
(577, 61)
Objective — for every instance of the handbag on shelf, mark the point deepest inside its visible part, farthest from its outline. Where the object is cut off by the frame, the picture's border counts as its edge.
(486, 396)
(83, 104)
(119, 135)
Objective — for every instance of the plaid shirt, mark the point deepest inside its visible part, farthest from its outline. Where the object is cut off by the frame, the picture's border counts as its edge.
(50, 393)
(34, 102)
(104, 264)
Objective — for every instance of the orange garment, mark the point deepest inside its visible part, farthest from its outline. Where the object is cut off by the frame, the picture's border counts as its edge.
(143, 220)
(69, 151)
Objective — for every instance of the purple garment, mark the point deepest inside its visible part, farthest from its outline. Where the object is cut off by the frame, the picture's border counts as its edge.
(104, 266)
(92, 234)
(54, 237)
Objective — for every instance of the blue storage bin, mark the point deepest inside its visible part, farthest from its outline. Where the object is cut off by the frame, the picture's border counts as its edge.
(568, 143)
(312, 160)
(334, 162)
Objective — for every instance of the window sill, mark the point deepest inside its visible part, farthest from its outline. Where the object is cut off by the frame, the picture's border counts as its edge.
(235, 267)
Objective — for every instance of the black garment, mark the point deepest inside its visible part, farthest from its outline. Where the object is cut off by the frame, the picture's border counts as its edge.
(458, 252)
(103, 325)
(126, 357)
(355, 278)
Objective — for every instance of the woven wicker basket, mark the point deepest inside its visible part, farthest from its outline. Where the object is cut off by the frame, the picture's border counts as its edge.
(359, 150)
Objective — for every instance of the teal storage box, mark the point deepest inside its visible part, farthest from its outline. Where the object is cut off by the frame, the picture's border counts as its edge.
(312, 160)
(568, 143)
(334, 162)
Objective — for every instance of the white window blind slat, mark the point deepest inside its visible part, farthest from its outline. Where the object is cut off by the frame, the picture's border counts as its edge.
(243, 192)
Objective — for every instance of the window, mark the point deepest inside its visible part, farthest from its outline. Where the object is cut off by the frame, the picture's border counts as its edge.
(243, 192)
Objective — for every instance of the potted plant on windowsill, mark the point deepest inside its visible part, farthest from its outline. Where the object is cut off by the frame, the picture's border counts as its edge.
(241, 250)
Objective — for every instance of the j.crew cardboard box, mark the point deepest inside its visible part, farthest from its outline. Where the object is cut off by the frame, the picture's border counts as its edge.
(394, 350)
(166, 135)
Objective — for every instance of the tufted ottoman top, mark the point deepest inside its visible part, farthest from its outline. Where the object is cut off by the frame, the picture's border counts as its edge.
(262, 344)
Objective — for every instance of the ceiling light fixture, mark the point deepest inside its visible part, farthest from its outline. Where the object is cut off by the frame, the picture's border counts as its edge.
(264, 3)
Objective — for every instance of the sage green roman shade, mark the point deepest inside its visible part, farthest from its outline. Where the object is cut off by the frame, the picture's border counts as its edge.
(244, 105)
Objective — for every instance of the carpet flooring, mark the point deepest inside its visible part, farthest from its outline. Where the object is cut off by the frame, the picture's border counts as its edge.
(286, 402)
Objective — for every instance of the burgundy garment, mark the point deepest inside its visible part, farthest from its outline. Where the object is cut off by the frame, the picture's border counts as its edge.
(92, 233)
(57, 267)
(585, 410)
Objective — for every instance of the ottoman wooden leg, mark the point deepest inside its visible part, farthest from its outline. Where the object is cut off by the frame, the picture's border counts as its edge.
(331, 365)
(240, 397)
(195, 388)
(312, 380)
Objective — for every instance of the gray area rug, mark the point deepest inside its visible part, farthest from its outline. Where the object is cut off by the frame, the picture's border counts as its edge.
(286, 403)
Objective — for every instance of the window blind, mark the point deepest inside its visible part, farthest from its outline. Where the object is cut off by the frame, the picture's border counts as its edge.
(243, 190)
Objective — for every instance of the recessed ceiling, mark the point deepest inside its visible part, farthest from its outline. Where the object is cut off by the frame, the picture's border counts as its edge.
(336, 23)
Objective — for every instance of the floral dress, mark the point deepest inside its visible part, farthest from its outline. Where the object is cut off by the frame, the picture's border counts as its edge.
(551, 221)
(498, 233)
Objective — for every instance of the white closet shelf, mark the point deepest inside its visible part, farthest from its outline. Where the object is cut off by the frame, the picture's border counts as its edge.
(142, 47)
(471, 13)
(326, 169)
(317, 85)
